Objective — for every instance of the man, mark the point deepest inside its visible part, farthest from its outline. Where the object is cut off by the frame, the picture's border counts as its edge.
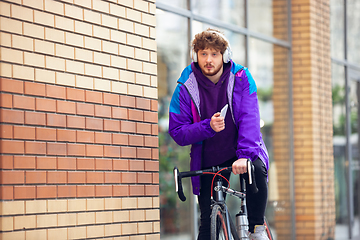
(204, 88)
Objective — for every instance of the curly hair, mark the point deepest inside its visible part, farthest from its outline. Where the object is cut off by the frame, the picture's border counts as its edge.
(209, 39)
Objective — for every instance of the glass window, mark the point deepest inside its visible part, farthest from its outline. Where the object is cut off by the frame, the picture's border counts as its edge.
(172, 52)
(175, 3)
(229, 11)
(337, 28)
(353, 30)
(273, 15)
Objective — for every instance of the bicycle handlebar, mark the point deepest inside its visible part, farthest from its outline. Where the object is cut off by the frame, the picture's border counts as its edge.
(179, 175)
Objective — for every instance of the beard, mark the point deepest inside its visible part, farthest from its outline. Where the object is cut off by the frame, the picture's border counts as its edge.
(212, 71)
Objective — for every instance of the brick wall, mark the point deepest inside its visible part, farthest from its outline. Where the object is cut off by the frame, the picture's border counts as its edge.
(78, 120)
(314, 170)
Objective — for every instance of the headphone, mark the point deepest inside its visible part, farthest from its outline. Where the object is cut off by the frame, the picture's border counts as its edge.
(226, 55)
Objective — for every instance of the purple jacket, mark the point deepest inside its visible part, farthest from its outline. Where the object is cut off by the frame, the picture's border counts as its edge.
(185, 126)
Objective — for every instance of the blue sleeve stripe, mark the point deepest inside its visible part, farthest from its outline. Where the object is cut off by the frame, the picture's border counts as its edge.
(252, 87)
(175, 101)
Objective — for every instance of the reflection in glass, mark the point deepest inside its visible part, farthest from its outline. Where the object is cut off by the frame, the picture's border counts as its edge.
(237, 41)
(339, 142)
(172, 52)
(175, 3)
(337, 28)
(229, 11)
(273, 14)
(353, 31)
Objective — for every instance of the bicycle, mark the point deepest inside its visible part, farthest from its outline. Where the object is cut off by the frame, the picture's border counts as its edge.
(222, 226)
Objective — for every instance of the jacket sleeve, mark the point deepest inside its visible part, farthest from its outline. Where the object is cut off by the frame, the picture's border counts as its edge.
(182, 127)
(247, 116)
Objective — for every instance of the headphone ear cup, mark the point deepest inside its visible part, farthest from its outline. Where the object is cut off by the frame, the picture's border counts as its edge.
(193, 55)
(226, 56)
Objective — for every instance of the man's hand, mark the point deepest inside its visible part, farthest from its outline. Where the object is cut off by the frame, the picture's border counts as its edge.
(217, 123)
(239, 166)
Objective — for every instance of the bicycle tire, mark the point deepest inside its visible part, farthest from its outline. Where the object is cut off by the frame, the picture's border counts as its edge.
(268, 231)
(218, 226)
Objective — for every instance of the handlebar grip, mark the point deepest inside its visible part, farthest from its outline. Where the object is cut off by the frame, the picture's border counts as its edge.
(251, 180)
(178, 184)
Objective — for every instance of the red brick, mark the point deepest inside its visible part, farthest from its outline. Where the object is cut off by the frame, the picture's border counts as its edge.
(11, 116)
(6, 162)
(142, 103)
(7, 192)
(111, 99)
(12, 177)
(154, 105)
(120, 139)
(85, 136)
(75, 122)
(85, 109)
(35, 177)
(24, 192)
(128, 177)
(55, 120)
(144, 177)
(8, 146)
(155, 178)
(151, 117)
(135, 115)
(64, 135)
(66, 191)
(143, 153)
(24, 162)
(75, 149)
(85, 191)
(65, 107)
(128, 152)
(94, 150)
(56, 148)
(120, 164)
(102, 111)
(13, 86)
(154, 129)
(119, 113)
(23, 132)
(32, 88)
(155, 153)
(6, 131)
(111, 125)
(76, 177)
(151, 141)
(152, 190)
(103, 164)
(66, 163)
(75, 94)
(85, 164)
(94, 123)
(46, 192)
(23, 102)
(35, 118)
(143, 128)
(112, 177)
(103, 190)
(127, 101)
(54, 91)
(46, 134)
(129, 127)
(152, 166)
(6, 100)
(136, 165)
(120, 191)
(112, 151)
(136, 140)
(92, 96)
(102, 138)
(56, 177)
(137, 190)
(46, 105)
(46, 163)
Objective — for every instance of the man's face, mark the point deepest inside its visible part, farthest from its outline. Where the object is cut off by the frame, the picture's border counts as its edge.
(210, 61)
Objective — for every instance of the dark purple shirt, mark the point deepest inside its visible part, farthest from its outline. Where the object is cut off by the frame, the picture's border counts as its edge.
(213, 97)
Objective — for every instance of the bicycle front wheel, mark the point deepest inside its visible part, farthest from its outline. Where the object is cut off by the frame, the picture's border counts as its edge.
(218, 227)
